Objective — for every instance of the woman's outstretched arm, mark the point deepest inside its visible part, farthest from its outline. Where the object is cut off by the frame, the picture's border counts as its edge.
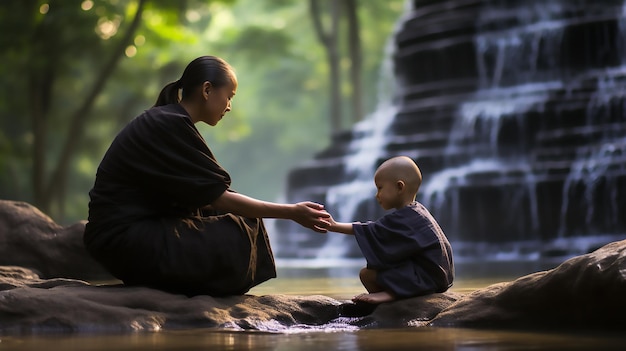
(308, 214)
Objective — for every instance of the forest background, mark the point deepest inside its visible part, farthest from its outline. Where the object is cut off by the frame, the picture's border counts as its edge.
(74, 72)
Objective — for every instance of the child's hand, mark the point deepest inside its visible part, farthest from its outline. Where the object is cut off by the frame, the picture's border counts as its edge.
(325, 223)
(338, 227)
(332, 224)
(331, 220)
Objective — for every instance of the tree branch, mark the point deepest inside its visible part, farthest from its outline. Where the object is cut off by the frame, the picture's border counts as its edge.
(80, 117)
(354, 49)
(317, 23)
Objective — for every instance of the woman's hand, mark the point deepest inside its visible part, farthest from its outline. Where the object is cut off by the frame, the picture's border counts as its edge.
(311, 215)
(308, 214)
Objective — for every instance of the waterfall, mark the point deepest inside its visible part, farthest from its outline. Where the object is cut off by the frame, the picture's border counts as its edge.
(359, 165)
(516, 113)
(479, 119)
(594, 166)
(342, 200)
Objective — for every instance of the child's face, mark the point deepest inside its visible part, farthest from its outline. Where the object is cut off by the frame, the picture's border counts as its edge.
(388, 192)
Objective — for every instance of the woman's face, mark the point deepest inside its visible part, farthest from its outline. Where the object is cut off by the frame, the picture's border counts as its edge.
(218, 102)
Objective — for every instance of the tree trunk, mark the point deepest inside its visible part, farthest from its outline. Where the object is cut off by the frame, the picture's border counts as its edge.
(81, 116)
(39, 127)
(330, 42)
(42, 74)
(354, 49)
(335, 69)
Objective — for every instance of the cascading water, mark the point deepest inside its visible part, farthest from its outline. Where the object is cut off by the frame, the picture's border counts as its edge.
(364, 147)
(515, 112)
(342, 200)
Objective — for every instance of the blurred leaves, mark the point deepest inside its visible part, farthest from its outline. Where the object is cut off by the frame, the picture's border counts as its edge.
(278, 118)
(260, 43)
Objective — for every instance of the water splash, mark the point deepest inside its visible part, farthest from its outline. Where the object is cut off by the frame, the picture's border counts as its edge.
(341, 324)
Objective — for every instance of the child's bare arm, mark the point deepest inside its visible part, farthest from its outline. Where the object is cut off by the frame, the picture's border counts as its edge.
(344, 228)
(339, 227)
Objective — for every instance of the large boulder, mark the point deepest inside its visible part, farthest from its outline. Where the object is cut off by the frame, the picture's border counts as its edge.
(31, 239)
(584, 292)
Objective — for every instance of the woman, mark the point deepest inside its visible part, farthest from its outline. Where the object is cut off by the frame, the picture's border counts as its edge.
(162, 213)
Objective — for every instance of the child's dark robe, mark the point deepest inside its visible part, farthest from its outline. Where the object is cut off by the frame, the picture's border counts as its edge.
(409, 251)
(146, 221)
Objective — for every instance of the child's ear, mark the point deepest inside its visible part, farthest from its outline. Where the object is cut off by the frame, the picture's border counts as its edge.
(400, 185)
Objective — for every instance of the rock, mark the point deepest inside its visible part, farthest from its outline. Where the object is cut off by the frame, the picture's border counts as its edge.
(30, 304)
(29, 238)
(41, 291)
(416, 311)
(584, 292)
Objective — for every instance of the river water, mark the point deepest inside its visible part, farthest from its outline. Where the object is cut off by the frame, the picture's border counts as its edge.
(339, 283)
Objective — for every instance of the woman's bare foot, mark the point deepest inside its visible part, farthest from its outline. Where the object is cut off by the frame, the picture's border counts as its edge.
(375, 298)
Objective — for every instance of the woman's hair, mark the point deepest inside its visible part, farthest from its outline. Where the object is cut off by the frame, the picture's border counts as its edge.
(202, 69)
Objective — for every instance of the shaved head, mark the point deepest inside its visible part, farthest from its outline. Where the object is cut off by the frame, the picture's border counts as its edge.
(401, 168)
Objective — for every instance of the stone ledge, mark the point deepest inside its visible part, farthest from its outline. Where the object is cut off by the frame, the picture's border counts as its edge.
(584, 292)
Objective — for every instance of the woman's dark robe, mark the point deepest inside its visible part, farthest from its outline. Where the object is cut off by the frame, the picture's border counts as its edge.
(408, 250)
(145, 222)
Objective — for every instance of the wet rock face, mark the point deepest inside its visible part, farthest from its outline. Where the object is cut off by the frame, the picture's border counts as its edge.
(514, 111)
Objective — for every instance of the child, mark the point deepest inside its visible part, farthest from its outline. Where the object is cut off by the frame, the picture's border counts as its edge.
(407, 253)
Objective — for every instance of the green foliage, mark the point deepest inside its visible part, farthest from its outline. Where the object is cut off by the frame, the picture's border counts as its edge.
(279, 115)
